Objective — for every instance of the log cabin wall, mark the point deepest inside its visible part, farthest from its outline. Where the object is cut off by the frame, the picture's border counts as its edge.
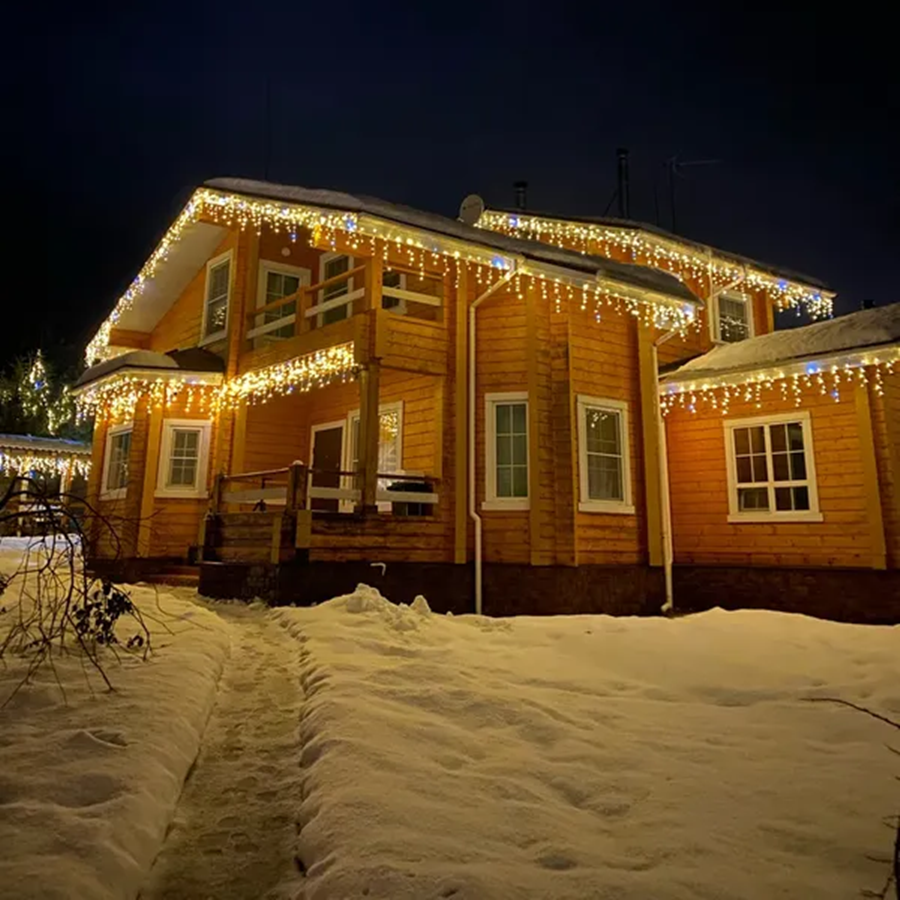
(886, 428)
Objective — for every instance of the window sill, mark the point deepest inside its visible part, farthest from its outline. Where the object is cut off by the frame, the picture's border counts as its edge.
(513, 504)
(118, 494)
(604, 506)
(212, 339)
(774, 518)
(170, 494)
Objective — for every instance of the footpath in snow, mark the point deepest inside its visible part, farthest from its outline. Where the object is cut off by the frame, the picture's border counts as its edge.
(593, 757)
(233, 835)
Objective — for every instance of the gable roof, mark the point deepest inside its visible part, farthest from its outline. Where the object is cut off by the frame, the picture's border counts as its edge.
(642, 277)
(867, 330)
(647, 228)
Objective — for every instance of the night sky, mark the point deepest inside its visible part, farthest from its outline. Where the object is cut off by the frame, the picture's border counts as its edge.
(112, 117)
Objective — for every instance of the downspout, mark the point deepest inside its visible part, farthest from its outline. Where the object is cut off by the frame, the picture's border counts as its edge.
(663, 458)
(473, 512)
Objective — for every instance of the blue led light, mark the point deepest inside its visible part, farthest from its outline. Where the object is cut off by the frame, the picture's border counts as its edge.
(514, 221)
(811, 368)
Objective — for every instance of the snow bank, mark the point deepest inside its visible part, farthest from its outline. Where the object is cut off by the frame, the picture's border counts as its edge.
(589, 756)
(88, 787)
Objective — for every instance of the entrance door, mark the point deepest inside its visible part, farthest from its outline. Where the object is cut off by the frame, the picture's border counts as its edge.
(327, 456)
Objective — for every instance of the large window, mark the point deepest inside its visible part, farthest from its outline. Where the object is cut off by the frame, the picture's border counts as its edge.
(218, 289)
(277, 281)
(771, 469)
(604, 466)
(733, 318)
(183, 458)
(115, 461)
(506, 439)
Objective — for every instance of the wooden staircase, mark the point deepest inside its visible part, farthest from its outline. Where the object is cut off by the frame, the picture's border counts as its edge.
(250, 537)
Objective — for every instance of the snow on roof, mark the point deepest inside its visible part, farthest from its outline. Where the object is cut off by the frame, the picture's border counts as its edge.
(857, 331)
(46, 444)
(195, 360)
(634, 225)
(640, 277)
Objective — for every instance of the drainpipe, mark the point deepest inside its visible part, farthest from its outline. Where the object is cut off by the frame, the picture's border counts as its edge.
(663, 456)
(473, 512)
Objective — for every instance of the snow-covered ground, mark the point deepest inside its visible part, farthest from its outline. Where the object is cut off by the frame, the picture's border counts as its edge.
(89, 783)
(421, 757)
(593, 757)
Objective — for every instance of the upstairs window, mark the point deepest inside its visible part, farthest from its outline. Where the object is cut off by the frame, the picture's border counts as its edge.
(218, 290)
(330, 266)
(734, 321)
(276, 282)
(390, 282)
(115, 470)
(771, 470)
(183, 458)
(603, 456)
(506, 437)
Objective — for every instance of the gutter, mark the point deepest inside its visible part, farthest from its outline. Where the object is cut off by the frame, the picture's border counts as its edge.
(473, 511)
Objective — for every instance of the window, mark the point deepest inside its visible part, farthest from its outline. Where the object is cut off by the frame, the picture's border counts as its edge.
(218, 289)
(331, 265)
(115, 461)
(506, 438)
(183, 458)
(734, 321)
(275, 282)
(604, 465)
(771, 470)
(391, 301)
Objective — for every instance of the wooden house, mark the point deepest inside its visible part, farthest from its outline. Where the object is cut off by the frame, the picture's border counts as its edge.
(304, 389)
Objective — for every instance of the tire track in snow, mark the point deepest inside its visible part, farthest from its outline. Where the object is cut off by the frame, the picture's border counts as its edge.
(234, 832)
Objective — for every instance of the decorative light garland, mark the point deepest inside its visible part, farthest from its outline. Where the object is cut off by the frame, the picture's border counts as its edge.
(17, 463)
(118, 395)
(788, 383)
(444, 256)
(660, 253)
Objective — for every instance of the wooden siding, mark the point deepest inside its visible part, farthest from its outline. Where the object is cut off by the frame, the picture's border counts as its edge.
(886, 424)
(699, 492)
(605, 364)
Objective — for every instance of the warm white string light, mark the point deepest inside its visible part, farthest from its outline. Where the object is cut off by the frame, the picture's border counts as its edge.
(13, 462)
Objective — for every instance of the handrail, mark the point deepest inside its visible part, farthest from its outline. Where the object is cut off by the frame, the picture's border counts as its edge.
(297, 296)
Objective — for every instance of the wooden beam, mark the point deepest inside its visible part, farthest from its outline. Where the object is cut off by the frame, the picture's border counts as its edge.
(239, 440)
(151, 469)
(535, 436)
(126, 337)
(650, 435)
(874, 512)
(369, 378)
(460, 419)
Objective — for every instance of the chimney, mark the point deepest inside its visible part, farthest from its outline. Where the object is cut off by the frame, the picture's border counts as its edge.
(622, 191)
(521, 195)
(867, 304)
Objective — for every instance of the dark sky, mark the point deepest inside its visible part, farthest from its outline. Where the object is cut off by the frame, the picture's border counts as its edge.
(113, 115)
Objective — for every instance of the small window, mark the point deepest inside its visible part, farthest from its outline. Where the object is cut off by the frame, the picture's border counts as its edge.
(771, 469)
(333, 265)
(733, 318)
(603, 460)
(218, 286)
(277, 282)
(183, 458)
(506, 435)
(389, 300)
(118, 449)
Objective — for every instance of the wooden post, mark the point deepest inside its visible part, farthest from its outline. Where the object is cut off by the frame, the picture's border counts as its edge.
(368, 436)
(154, 439)
(275, 550)
(461, 419)
(534, 428)
(650, 435)
(874, 512)
(215, 497)
(95, 486)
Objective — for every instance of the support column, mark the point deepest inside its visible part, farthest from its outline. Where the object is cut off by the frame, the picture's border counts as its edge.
(367, 472)
(874, 511)
(154, 437)
(650, 436)
(461, 419)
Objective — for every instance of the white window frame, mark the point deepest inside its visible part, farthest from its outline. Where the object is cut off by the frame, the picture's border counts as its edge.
(353, 416)
(491, 500)
(813, 514)
(117, 493)
(625, 506)
(715, 324)
(165, 451)
(211, 264)
(265, 267)
(320, 307)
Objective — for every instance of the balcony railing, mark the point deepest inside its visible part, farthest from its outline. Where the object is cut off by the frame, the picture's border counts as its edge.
(341, 296)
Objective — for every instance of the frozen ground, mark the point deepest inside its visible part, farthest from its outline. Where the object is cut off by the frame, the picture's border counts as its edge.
(423, 757)
(593, 757)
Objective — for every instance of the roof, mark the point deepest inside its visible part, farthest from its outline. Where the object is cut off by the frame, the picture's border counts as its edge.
(636, 276)
(43, 444)
(196, 360)
(868, 329)
(631, 224)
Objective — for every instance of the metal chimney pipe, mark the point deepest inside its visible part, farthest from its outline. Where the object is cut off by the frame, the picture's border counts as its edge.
(521, 195)
(622, 192)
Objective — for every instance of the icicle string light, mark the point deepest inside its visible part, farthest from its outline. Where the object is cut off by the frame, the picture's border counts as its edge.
(417, 248)
(668, 255)
(17, 463)
(819, 379)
